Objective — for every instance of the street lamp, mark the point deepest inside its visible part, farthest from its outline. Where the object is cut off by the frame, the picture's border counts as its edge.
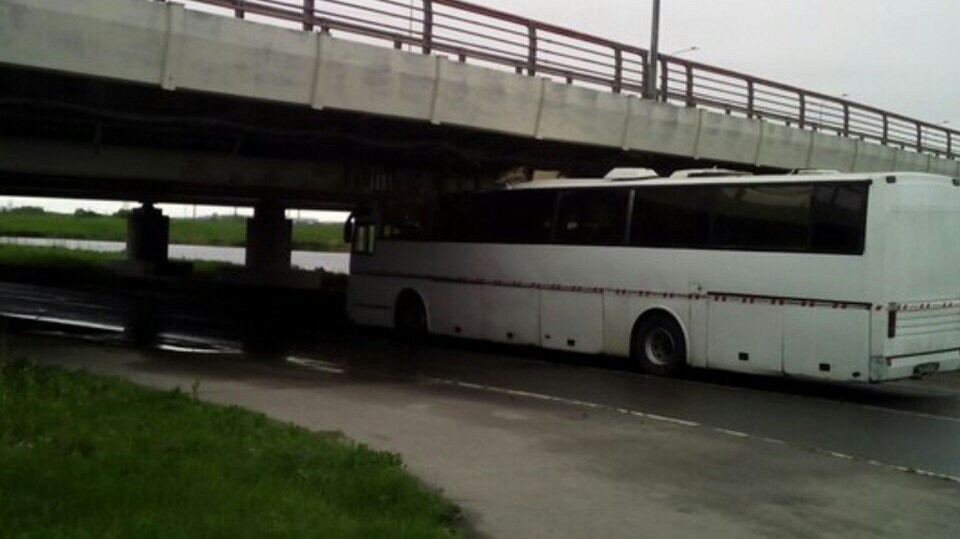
(654, 60)
(684, 51)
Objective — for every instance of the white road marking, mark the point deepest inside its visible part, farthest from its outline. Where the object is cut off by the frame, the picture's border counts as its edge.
(680, 422)
(316, 365)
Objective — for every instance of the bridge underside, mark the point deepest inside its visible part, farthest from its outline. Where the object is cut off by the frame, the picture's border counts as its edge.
(70, 136)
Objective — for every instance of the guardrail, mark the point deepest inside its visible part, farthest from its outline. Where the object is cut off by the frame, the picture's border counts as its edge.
(484, 36)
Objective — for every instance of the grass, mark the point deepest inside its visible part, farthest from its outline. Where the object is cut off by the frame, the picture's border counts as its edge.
(88, 456)
(220, 231)
(30, 257)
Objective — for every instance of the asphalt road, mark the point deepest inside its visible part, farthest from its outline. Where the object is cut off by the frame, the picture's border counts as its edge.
(711, 453)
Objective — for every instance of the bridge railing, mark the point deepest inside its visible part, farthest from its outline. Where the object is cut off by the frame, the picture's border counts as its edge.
(485, 36)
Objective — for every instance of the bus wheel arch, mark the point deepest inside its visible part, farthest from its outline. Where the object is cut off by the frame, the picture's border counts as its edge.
(410, 313)
(659, 343)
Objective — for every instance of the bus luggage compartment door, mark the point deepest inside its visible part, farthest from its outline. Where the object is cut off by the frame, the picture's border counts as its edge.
(744, 336)
(826, 343)
(571, 321)
(510, 314)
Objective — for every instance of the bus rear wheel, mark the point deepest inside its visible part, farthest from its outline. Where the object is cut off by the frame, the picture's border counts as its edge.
(411, 316)
(659, 346)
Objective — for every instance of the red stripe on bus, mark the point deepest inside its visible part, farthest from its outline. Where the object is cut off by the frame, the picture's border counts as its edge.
(721, 297)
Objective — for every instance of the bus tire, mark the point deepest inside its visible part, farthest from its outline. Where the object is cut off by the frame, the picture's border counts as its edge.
(659, 346)
(410, 316)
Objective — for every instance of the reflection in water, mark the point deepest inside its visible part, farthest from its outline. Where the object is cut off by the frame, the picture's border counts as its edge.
(306, 260)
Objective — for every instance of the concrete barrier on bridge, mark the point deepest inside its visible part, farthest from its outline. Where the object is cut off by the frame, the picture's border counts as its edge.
(831, 152)
(873, 157)
(907, 161)
(376, 80)
(167, 45)
(486, 99)
(661, 128)
(784, 147)
(117, 39)
(727, 138)
(942, 166)
(570, 113)
(216, 54)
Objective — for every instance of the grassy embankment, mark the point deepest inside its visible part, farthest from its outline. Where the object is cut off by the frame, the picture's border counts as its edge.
(220, 231)
(76, 263)
(89, 456)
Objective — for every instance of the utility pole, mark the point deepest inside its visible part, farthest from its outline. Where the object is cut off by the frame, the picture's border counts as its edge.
(654, 61)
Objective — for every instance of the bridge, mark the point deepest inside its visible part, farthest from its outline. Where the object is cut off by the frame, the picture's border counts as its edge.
(321, 103)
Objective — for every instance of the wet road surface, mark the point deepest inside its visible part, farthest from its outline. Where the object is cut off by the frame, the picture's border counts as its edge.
(541, 444)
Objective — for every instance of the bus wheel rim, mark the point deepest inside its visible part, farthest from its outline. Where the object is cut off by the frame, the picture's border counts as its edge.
(660, 346)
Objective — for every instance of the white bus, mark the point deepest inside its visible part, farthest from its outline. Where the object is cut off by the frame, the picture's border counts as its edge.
(837, 277)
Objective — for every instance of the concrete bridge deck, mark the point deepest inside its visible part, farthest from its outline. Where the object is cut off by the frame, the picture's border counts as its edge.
(165, 45)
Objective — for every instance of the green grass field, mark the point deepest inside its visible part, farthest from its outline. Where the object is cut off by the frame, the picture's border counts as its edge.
(226, 231)
(88, 456)
(75, 261)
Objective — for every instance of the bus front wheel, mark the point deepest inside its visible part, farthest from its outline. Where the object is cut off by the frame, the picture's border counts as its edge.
(411, 316)
(659, 346)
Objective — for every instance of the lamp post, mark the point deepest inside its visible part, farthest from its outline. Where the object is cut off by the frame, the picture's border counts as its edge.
(684, 51)
(654, 61)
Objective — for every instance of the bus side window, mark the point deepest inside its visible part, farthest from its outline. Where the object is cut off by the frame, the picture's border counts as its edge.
(839, 218)
(762, 218)
(524, 216)
(592, 217)
(676, 217)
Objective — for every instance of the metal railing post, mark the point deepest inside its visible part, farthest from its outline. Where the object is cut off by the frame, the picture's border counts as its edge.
(617, 70)
(689, 89)
(427, 26)
(886, 130)
(949, 144)
(308, 7)
(664, 93)
(750, 98)
(803, 110)
(532, 50)
(846, 119)
(238, 10)
(919, 136)
(645, 76)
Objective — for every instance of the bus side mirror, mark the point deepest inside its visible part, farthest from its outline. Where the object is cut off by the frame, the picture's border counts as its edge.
(348, 230)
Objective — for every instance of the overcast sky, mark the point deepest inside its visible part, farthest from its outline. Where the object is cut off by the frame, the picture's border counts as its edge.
(901, 55)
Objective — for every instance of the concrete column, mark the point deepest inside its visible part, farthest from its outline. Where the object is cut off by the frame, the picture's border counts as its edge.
(148, 235)
(269, 235)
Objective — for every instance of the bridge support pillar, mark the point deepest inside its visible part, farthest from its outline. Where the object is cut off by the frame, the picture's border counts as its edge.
(148, 235)
(269, 235)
